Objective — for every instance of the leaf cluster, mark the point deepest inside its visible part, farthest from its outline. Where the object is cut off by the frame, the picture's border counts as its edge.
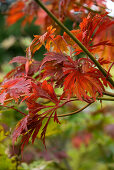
(64, 66)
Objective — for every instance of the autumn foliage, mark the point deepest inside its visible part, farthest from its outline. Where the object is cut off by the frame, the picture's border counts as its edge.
(64, 65)
(28, 10)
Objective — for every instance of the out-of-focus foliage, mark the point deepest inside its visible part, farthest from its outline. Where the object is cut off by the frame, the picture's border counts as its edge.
(13, 40)
(6, 162)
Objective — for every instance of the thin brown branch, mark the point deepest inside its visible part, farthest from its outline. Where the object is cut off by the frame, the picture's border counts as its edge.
(108, 93)
(98, 98)
(105, 98)
(75, 112)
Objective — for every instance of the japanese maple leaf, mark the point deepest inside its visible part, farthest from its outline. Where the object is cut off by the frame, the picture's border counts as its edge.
(90, 28)
(15, 82)
(13, 88)
(22, 9)
(19, 59)
(107, 52)
(30, 65)
(44, 90)
(19, 71)
(82, 79)
(30, 125)
(59, 44)
(38, 41)
(15, 12)
(51, 67)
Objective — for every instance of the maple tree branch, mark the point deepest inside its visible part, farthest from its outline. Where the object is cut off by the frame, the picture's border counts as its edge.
(105, 98)
(97, 98)
(108, 93)
(72, 113)
(85, 50)
(75, 112)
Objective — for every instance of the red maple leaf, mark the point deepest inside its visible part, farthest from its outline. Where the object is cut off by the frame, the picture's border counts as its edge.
(38, 41)
(30, 125)
(19, 59)
(78, 78)
(52, 66)
(15, 12)
(14, 88)
(90, 28)
(22, 9)
(29, 67)
(82, 79)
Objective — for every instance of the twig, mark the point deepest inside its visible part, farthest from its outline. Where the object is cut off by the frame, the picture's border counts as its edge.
(98, 98)
(105, 98)
(108, 93)
(75, 112)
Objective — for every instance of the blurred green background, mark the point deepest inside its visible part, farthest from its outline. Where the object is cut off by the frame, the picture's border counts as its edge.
(81, 142)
